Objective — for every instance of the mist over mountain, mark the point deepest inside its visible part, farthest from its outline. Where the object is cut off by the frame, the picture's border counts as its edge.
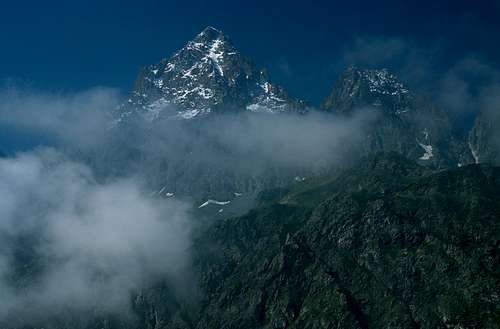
(408, 123)
(210, 197)
(73, 245)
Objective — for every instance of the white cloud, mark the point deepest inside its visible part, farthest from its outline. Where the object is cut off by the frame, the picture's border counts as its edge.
(94, 243)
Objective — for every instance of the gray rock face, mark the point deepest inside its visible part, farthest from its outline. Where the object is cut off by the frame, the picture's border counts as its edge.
(406, 122)
(359, 88)
(484, 139)
(208, 75)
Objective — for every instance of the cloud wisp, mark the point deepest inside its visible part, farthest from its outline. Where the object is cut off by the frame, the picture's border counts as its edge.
(77, 119)
(242, 149)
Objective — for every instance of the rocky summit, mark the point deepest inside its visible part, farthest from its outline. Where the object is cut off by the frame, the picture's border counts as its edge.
(208, 75)
(406, 122)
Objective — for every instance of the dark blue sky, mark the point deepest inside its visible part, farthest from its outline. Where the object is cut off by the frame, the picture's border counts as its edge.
(72, 45)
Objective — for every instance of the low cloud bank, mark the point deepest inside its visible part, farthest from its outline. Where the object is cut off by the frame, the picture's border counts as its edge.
(55, 118)
(285, 140)
(69, 243)
(77, 236)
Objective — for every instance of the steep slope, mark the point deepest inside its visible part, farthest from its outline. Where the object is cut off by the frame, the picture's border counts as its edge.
(484, 138)
(207, 75)
(164, 129)
(407, 123)
(388, 244)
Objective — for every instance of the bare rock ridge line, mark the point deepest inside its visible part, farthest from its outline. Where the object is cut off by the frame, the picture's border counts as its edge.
(209, 75)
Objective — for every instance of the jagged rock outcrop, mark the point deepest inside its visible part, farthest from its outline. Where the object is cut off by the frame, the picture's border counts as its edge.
(405, 122)
(208, 75)
(185, 93)
(388, 244)
(484, 138)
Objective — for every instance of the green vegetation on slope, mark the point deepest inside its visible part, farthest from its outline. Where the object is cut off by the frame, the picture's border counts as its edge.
(388, 244)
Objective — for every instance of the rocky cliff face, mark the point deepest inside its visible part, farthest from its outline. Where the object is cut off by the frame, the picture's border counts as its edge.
(484, 138)
(206, 78)
(208, 75)
(406, 122)
(388, 244)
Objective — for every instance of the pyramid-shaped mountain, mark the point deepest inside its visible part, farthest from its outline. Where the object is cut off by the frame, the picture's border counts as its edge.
(208, 75)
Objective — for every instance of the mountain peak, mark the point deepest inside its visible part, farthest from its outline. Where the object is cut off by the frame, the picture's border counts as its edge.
(359, 87)
(210, 33)
(207, 75)
(384, 82)
(212, 47)
(379, 81)
(209, 36)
